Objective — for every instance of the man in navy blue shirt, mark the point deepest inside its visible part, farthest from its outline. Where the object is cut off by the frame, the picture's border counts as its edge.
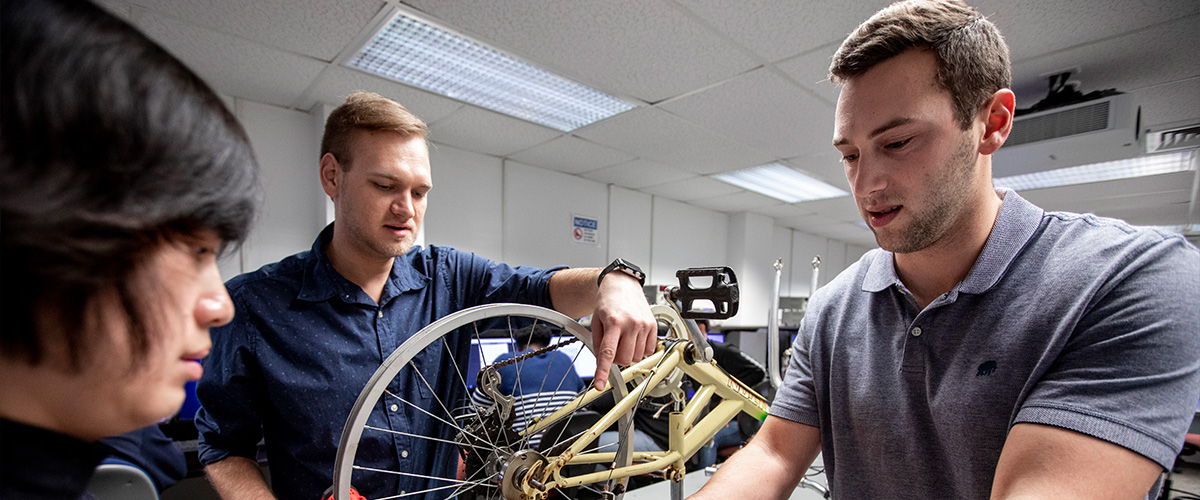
(312, 328)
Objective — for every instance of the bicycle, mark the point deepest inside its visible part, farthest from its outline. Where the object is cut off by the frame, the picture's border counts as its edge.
(492, 447)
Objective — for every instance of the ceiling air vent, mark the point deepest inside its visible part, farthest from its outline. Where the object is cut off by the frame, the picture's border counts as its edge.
(1173, 139)
(1053, 124)
(1095, 131)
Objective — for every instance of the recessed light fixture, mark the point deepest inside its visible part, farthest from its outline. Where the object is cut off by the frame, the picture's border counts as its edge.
(417, 53)
(781, 182)
(1166, 163)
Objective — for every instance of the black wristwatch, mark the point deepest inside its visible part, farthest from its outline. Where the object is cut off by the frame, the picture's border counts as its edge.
(625, 267)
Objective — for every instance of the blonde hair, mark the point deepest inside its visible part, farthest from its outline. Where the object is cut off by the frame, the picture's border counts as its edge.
(367, 111)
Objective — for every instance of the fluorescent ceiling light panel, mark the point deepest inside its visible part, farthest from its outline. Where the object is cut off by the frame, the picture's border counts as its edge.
(416, 53)
(782, 183)
(1096, 172)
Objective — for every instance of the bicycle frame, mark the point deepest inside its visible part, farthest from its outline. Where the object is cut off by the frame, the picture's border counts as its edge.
(689, 429)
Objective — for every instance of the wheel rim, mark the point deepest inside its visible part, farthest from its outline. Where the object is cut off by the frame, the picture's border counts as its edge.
(453, 414)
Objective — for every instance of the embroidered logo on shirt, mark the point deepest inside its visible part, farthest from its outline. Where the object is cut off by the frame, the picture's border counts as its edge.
(985, 369)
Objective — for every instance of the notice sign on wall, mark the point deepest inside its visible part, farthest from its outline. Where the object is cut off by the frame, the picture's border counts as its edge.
(583, 229)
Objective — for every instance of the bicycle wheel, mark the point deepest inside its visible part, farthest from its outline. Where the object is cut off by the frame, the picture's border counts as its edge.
(416, 432)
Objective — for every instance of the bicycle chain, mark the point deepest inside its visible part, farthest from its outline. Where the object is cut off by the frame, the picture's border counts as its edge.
(516, 359)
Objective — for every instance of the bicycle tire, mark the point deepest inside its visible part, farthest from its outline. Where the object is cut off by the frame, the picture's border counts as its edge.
(369, 400)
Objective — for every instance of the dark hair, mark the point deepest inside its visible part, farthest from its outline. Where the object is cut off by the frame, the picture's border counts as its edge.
(371, 112)
(972, 57)
(535, 334)
(109, 148)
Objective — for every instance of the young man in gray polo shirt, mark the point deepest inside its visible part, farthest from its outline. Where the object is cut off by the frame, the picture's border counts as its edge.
(990, 348)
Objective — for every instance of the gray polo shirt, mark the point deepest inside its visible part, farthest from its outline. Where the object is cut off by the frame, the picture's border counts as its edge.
(1069, 320)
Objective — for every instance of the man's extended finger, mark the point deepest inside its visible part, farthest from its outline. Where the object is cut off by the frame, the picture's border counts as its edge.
(606, 350)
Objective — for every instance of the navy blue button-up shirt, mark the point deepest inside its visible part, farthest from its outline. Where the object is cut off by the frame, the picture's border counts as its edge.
(304, 342)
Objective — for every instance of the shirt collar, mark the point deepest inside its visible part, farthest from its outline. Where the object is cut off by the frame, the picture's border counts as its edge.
(1015, 224)
(322, 281)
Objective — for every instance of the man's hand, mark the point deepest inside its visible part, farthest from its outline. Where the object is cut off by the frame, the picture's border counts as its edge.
(623, 328)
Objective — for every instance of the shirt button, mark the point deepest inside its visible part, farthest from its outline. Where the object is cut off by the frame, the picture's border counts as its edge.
(916, 331)
(380, 313)
(404, 454)
(394, 407)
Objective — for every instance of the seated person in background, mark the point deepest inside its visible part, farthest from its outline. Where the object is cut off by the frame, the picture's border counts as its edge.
(538, 385)
(122, 178)
(150, 450)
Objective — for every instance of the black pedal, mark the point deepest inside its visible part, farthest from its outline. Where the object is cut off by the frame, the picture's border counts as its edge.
(722, 292)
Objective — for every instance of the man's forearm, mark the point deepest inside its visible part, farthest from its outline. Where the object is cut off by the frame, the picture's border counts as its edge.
(573, 291)
(238, 478)
(769, 467)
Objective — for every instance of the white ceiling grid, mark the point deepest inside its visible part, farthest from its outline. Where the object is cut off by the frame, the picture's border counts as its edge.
(722, 85)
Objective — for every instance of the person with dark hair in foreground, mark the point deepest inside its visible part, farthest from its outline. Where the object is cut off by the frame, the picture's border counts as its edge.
(989, 348)
(122, 177)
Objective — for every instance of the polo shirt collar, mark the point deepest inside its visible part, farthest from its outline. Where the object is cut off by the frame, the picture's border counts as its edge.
(1015, 224)
(322, 281)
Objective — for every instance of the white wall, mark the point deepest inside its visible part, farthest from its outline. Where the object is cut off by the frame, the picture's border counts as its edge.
(630, 226)
(539, 206)
(521, 214)
(685, 236)
(465, 205)
(293, 210)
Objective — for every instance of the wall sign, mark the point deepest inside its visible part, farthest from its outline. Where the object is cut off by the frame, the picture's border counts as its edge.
(583, 229)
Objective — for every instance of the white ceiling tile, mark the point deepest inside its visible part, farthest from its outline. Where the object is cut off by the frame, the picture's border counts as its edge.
(1096, 197)
(233, 65)
(316, 28)
(692, 189)
(638, 174)
(1035, 27)
(1167, 53)
(337, 82)
(736, 202)
(775, 30)
(483, 131)
(1170, 104)
(1174, 103)
(783, 210)
(825, 165)
(660, 136)
(791, 123)
(811, 71)
(650, 49)
(841, 208)
(572, 155)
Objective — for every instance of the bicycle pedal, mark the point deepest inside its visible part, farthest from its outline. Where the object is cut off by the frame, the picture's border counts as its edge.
(722, 292)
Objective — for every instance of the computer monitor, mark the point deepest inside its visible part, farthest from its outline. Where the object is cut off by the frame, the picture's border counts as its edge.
(585, 361)
(485, 351)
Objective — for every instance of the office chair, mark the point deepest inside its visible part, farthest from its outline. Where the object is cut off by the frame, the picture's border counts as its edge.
(121, 481)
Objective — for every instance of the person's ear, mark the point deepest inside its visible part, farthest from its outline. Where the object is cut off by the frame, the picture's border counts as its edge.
(330, 168)
(998, 121)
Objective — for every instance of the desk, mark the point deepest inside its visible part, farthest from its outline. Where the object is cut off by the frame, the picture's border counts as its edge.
(696, 479)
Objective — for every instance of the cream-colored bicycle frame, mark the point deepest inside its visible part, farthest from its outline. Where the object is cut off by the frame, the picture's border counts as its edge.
(689, 429)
